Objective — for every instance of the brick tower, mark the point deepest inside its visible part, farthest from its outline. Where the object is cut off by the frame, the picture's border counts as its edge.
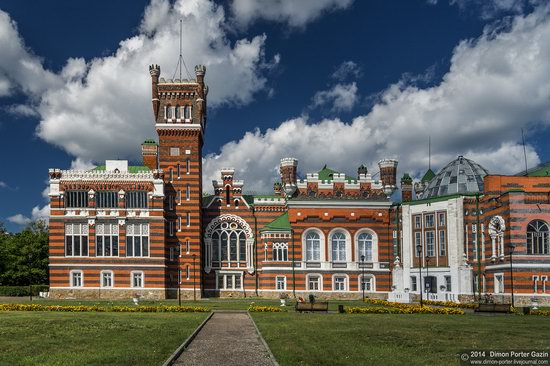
(179, 107)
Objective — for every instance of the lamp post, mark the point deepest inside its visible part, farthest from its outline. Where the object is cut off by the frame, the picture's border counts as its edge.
(194, 278)
(363, 276)
(30, 276)
(512, 247)
(428, 284)
(419, 255)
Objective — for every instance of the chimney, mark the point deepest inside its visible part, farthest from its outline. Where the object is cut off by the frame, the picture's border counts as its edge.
(288, 169)
(154, 70)
(406, 188)
(388, 175)
(149, 151)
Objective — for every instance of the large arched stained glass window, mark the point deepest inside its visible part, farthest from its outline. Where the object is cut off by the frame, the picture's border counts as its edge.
(537, 237)
(338, 244)
(228, 243)
(313, 247)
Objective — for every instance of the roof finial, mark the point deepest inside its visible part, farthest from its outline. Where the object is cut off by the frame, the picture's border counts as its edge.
(429, 152)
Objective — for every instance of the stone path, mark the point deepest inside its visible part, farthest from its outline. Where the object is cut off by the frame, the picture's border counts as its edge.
(228, 338)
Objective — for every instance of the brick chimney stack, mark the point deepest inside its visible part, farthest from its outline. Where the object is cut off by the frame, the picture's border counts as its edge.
(288, 171)
(406, 188)
(149, 152)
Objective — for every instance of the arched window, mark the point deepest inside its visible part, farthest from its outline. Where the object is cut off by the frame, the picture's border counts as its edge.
(179, 110)
(338, 244)
(169, 112)
(364, 243)
(228, 243)
(313, 247)
(227, 195)
(537, 237)
(187, 112)
(280, 252)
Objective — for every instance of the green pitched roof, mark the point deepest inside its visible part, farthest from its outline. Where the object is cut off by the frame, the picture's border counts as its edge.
(131, 168)
(542, 170)
(327, 174)
(428, 176)
(149, 142)
(281, 223)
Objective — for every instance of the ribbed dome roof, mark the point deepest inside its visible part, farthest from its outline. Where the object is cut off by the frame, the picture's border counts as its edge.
(459, 176)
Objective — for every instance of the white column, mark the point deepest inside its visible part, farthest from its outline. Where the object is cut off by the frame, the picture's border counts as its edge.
(208, 255)
(250, 254)
(493, 246)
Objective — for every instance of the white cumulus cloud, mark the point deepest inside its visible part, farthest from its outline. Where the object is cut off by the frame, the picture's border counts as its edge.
(497, 84)
(339, 98)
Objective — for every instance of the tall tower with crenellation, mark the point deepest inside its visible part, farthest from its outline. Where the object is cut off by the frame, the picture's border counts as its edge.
(179, 108)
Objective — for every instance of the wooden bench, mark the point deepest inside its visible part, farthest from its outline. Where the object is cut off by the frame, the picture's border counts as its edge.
(493, 308)
(307, 306)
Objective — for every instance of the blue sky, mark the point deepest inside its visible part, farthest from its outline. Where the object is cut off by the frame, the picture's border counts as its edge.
(341, 82)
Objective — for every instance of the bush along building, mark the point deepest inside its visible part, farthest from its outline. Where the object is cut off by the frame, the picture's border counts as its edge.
(118, 230)
(471, 235)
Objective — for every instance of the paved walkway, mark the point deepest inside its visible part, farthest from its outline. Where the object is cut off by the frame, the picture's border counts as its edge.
(226, 339)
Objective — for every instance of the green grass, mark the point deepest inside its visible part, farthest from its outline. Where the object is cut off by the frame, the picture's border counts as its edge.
(44, 338)
(380, 339)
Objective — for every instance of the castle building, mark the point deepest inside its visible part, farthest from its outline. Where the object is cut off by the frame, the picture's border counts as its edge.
(119, 230)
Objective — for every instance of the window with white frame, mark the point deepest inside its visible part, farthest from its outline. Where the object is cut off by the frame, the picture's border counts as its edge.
(417, 222)
(187, 246)
(174, 151)
(367, 283)
(170, 202)
(280, 282)
(188, 219)
(414, 284)
(280, 252)
(417, 242)
(499, 283)
(364, 243)
(314, 283)
(187, 273)
(106, 242)
(170, 112)
(442, 243)
(313, 247)
(137, 240)
(172, 253)
(187, 166)
(136, 199)
(537, 238)
(106, 199)
(228, 243)
(179, 197)
(137, 279)
(77, 279)
(179, 110)
(441, 219)
(474, 242)
(544, 279)
(76, 240)
(179, 224)
(171, 228)
(188, 192)
(107, 279)
(448, 284)
(429, 220)
(430, 243)
(187, 112)
(338, 245)
(76, 199)
(339, 283)
(229, 281)
(535, 283)
(178, 169)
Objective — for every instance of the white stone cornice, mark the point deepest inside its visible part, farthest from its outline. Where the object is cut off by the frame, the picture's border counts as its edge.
(100, 175)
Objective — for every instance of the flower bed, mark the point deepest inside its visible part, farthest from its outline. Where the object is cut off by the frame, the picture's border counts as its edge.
(263, 309)
(87, 308)
(540, 312)
(450, 304)
(407, 309)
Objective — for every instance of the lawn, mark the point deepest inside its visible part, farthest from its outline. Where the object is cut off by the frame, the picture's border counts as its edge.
(44, 338)
(381, 339)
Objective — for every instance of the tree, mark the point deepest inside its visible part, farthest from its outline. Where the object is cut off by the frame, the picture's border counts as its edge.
(24, 256)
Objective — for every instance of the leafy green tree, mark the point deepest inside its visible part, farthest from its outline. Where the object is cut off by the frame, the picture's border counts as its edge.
(24, 256)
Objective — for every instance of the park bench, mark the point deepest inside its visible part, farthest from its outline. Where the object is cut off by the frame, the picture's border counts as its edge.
(493, 308)
(308, 306)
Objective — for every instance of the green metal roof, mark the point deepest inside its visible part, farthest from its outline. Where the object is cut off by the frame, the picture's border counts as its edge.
(428, 176)
(406, 177)
(131, 168)
(542, 170)
(281, 223)
(249, 198)
(327, 174)
(149, 142)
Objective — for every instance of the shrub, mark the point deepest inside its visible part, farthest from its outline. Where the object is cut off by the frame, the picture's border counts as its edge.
(408, 309)
(22, 290)
(540, 312)
(450, 304)
(263, 309)
(120, 309)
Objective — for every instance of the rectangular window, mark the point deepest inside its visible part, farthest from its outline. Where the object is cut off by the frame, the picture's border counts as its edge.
(441, 219)
(107, 279)
(187, 273)
(174, 151)
(442, 243)
(77, 279)
(188, 219)
(414, 284)
(535, 283)
(136, 199)
(367, 283)
(188, 192)
(417, 243)
(281, 283)
(188, 112)
(106, 199)
(314, 283)
(280, 252)
(172, 250)
(187, 246)
(179, 223)
(179, 198)
(76, 240)
(178, 170)
(230, 281)
(417, 222)
(171, 202)
(76, 199)
(474, 242)
(171, 174)
(499, 283)
(106, 240)
(137, 279)
(429, 220)
(339, 283)
(137, 240)
(188, 166)
(171, 228)
(430, 243)
(448, 286)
